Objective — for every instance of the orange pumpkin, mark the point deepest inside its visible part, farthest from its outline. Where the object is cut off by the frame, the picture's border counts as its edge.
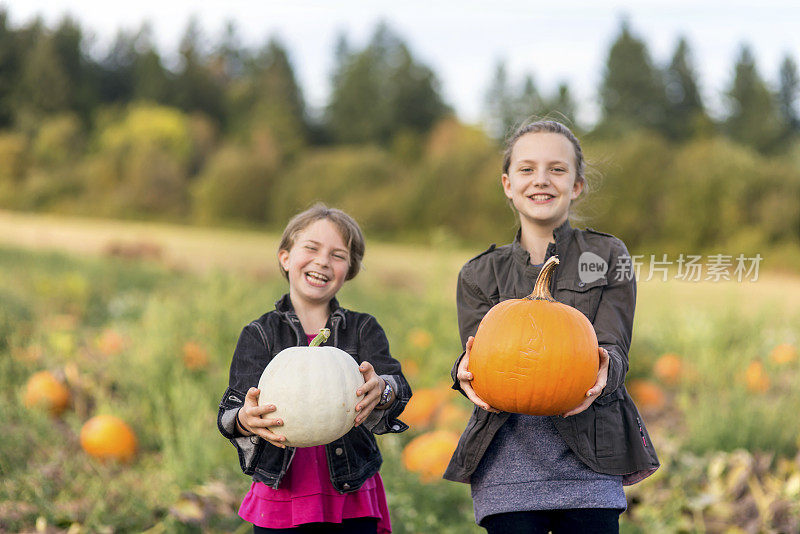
(783, 354)
(195, 357)
(44, 390)
(423, 406)
(430, 453)
(452, 417)
(534, 355)
(647, 395)
(106, 437)
(668, 368)
(755, 378)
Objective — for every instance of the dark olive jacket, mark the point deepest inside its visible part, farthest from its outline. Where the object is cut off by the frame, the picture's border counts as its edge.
(610, 436)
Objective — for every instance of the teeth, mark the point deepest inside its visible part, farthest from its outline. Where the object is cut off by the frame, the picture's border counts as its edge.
(541, 197)
(317, 276)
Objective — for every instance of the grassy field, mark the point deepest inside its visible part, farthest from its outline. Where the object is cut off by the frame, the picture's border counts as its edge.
(140, 320)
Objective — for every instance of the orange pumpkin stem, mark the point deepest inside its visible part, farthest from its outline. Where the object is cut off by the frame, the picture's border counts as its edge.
(541, 290)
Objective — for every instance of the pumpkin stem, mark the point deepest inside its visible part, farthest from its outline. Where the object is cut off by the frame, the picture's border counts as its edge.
(541, 290)
(320, 338)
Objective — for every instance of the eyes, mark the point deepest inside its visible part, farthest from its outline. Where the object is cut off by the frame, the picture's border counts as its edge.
(341, 256)
(558, 169)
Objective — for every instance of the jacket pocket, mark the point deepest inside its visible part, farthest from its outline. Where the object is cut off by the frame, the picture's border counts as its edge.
(609, 429)
(583, 296)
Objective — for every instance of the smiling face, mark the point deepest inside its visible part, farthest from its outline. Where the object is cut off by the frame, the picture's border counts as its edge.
(316, 264)
(541, 179)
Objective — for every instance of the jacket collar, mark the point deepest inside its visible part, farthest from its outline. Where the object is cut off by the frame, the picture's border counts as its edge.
(560, 236)
(284, 307)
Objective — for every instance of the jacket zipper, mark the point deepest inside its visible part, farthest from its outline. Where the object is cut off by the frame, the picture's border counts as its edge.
(641, 431)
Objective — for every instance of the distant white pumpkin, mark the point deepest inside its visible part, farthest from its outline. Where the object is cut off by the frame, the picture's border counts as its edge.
(314, 391)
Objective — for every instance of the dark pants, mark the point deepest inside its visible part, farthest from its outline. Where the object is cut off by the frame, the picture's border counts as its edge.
(578, 521)
(358, 525)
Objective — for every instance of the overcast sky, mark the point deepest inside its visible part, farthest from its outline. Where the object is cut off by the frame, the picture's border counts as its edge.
(462, 40)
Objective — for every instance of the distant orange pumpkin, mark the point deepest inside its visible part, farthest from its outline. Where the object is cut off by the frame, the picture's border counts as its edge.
(669, 368)
(755, 378)
(423, 406)
(195, 357)
(106, 437)
(647, 395)
(110, 343)
(783, 354)
(452, 417)
(44, 390)
(420, 338)
(429, 454)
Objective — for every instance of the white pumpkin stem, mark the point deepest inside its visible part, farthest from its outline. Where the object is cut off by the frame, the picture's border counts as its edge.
(541, 290)
(320, 338)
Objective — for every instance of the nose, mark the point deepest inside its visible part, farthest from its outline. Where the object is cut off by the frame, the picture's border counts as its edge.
(541, 178)
(321, 259)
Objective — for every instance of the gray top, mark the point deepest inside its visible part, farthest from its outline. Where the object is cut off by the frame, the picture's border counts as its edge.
(528, 466)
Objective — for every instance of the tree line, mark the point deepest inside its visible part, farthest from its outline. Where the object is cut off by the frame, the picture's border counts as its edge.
(225, 136)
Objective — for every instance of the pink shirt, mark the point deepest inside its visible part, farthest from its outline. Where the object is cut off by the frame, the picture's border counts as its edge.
(306, 495)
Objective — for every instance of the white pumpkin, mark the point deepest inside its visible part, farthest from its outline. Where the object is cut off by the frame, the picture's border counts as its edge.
(314, 391)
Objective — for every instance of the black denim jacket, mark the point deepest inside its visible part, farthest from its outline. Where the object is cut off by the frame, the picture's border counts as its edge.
(610, 436)
(353, 458)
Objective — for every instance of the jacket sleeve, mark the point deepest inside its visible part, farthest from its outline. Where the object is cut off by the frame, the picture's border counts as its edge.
(374, 348)
(471, 304)
(613, 321)
(249, 360)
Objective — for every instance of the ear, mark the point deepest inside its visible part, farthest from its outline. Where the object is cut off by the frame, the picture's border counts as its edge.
(577, 189)
(506, 181)
(283, 259)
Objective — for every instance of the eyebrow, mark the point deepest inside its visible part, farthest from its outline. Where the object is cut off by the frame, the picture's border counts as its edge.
(318, 243)
(555, 161)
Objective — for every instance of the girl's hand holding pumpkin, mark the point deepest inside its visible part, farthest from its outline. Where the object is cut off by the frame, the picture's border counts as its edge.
(250, 419)
(597, 388)
(372, 389)
(465, 380)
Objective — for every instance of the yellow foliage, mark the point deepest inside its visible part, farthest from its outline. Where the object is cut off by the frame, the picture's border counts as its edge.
(149, 126)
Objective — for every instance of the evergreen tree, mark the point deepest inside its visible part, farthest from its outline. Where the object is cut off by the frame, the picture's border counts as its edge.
(685, 110)
(752, 118)
(501, 104)
(10, 62)
(196, 87)
(788, 93)
(561, 106)
(116, 76)
(152, 82)
(632, 91)
(269, 95)
(79, 70)
(42, 81)
(381, 91)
